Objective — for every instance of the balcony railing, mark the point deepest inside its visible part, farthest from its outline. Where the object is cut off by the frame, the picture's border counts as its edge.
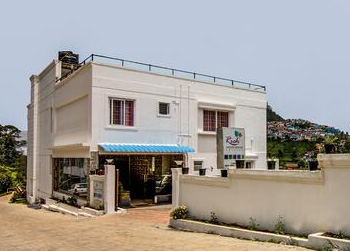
(172, 72)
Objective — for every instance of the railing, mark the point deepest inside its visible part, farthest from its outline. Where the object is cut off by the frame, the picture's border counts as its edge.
(173, 72)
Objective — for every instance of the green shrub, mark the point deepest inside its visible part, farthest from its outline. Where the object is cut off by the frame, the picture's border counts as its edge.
(179, 212)
(279, 227)
(72, 201)
(214, 218)
(5, 182)
(18, 197)
(253, 225)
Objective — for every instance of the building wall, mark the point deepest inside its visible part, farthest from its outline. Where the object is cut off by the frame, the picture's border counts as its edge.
(59, 124)
(309, 202)
(72, 109)
(187, 100)
(71, 116)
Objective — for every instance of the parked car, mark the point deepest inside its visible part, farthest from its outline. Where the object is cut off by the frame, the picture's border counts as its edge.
(163, 186)
(78, 188)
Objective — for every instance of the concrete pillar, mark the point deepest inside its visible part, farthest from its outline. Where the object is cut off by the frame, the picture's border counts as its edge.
(33, 139)
(176, 186)
(109, 189)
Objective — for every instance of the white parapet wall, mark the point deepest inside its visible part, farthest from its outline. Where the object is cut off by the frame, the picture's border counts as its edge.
(307, 201)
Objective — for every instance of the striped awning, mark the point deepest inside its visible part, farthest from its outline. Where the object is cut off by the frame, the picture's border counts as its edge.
(144, 148)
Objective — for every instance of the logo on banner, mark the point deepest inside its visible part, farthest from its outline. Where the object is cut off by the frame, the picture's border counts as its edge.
(234, 139)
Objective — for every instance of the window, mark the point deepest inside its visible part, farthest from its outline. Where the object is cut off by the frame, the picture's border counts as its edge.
(214, 119)
(197, 164)
(164, 108)
(70, 175)
(121, 112)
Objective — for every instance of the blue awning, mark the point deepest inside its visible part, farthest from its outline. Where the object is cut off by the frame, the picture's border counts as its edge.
(145, 148)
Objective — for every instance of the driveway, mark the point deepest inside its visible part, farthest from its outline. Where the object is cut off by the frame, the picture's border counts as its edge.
(22, 228)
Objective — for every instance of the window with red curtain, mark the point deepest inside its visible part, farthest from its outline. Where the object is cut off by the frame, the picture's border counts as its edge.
(222, 119)
(209, 120)
(129, 113)
(122, 112)
(214, 119)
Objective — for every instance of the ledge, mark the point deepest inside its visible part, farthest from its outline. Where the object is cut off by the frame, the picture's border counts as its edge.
(315, 241)
(334, 160)
(295, 176)
(216, 181)
(201, 227)
(122, 128)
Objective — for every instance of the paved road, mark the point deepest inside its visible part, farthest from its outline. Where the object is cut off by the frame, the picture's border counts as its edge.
(22, 228)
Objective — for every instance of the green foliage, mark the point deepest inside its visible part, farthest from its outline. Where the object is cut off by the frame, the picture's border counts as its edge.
(280, 227)
(339, 235)
(289, 151)
(72, 201)
(253, 225)
(9, 145)
(272, 116)
(100, 207)
(5, 181)
(18, 197)
(12, 163)
(330, 140)
(302, 164)
(179, 212)
(214, 218)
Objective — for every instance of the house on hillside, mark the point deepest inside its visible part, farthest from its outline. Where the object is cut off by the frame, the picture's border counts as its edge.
(142, 117)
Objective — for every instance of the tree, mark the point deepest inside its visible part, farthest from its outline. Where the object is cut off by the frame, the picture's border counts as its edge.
(294, 154)
(12, 169)
(10, 145)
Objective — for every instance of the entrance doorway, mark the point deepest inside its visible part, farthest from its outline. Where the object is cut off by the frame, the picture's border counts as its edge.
(143, 178)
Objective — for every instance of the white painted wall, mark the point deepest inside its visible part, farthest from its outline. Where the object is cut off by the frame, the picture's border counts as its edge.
(59, 117)
(309, 202)
(187, 100)
(70, 117)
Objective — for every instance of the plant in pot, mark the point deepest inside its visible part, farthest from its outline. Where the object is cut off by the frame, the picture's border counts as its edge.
(329, 144)
(239, 163)
(224, 172)
(185, 170)
(311, 158)
(202, 171)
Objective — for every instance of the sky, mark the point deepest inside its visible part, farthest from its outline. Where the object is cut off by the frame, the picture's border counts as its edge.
(300, 50)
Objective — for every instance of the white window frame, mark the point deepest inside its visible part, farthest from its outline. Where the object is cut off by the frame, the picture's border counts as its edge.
(111, 99)
(197, 160)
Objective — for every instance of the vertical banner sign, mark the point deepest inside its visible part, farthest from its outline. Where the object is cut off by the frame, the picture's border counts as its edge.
(230, 146)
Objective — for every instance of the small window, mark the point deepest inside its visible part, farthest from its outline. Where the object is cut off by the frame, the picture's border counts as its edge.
(164, 108)
(121, 112)
(197, 164)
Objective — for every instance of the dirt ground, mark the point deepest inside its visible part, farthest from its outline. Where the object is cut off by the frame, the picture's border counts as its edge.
(22, 228)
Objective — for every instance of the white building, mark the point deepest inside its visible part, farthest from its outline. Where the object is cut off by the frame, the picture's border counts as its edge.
(144, 117)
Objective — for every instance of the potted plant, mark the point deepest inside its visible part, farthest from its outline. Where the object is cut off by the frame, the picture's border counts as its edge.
(311, 158)
(202, 171)
(185, 170)
(224, 172)
(329, 144)
(239, 163)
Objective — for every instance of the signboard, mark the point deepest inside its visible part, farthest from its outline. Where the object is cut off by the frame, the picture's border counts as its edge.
(98, 191)
(230, 146)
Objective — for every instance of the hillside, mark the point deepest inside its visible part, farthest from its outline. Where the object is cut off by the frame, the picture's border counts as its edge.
(290, 139)
(272, 116)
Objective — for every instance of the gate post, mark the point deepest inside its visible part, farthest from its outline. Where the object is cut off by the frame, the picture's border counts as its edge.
(109, 188)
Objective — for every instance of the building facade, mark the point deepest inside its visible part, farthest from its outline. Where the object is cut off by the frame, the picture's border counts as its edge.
(142, 117)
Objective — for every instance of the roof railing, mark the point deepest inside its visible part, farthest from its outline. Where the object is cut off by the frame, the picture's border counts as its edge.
(173, 72)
